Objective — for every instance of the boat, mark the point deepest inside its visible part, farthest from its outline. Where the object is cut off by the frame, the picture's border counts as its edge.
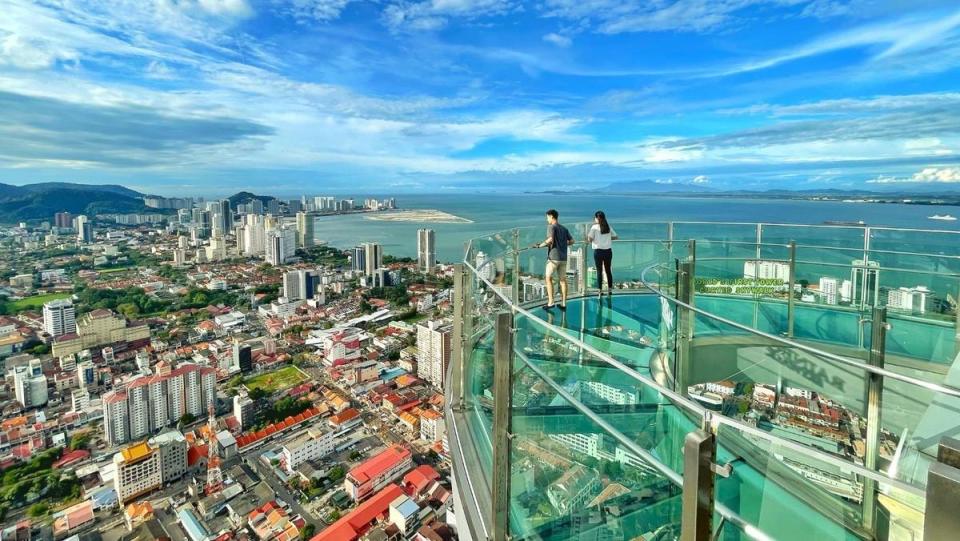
(944, 217)
(840, 222)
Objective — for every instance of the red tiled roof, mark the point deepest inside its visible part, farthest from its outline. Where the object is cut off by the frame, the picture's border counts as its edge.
(420, 478)
(376, 465)
(71, 457)
(355, 523)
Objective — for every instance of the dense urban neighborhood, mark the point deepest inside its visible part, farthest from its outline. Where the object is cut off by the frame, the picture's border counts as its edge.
(210, 370)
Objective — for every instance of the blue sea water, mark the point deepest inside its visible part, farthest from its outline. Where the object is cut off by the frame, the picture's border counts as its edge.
(497, 212)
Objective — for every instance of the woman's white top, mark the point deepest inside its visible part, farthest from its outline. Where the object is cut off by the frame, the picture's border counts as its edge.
(600, 241)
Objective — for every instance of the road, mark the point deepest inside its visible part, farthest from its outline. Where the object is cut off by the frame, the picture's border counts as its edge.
(282, 492)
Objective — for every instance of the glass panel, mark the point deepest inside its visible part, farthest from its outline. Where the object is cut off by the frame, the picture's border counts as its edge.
(571, 477)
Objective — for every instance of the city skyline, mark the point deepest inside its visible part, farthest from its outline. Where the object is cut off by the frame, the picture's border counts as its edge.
(187, 98)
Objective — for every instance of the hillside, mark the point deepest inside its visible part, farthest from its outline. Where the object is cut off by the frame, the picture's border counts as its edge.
(40, 201)
(243, 197)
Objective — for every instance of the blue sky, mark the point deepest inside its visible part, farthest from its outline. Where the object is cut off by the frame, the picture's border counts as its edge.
(308, 96)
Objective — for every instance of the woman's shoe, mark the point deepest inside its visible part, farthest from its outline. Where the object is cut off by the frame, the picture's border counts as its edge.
(563, 307)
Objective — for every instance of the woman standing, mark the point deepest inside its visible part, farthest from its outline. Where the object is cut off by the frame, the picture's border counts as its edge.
(601, 237)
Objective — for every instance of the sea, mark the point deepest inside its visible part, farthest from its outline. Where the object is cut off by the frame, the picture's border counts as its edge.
(498, 212)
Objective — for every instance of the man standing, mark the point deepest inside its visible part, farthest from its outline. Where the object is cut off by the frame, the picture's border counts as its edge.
(558, 239)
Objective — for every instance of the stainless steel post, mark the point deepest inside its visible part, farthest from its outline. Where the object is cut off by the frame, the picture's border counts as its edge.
(790, 294)
(874, 402)
(686, 319)
(699, 455)
(459, 336)
(502, 406)
(941, 522)
(515, 291)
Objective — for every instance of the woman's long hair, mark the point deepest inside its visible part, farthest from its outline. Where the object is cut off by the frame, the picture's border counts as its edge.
(602, 220)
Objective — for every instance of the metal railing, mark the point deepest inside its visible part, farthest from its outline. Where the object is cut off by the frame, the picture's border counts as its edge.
(696, 510)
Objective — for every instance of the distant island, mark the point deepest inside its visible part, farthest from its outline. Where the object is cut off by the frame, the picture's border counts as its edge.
(419, 215)
(663, 189)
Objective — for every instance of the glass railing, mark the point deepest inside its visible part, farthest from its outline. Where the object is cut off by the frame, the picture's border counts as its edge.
(819, 359)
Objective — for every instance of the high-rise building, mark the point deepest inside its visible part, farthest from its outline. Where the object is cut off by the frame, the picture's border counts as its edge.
(763, 270)
(139, 472)
(358, 263)
(59, 317)
(305, 228)
(372, 257)
(201, 224)
(148, 403)
(148, 465)
(433, 351)
(300, 284)
(273, 207)
(30, 385)
(242, 357)
(281, 246)
(829, 290)
(84, 229)
(426, 250)
(63, 220)
(909, 299)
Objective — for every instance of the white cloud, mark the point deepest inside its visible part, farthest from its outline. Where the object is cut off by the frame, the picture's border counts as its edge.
(32, 53)
(557, 39)
(701, 179)
(894, 37)
(433, 14)
(928, 175)
(231, 8)
(313, 10)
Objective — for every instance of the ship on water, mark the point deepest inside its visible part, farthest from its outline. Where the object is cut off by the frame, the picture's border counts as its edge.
(943, 217)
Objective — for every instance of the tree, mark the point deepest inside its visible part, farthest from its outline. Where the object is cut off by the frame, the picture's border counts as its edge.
(128, 309)
(307, 531)
(336, 473)
(38, 510)
(80, 441)
(186, 419)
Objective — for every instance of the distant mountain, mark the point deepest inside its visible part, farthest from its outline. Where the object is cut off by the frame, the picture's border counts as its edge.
(42, 200)
(41, 187)
(243, 197)
(652, 186)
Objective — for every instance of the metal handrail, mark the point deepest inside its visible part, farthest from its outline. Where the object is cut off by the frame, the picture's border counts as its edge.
(947, 390)
(691, 406)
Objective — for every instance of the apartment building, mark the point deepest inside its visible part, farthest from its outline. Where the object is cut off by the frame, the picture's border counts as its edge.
(377, 472)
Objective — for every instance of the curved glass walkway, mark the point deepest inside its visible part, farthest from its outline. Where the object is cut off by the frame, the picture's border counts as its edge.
(817, 362)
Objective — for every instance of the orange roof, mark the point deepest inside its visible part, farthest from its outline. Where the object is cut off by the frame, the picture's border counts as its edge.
(136, 452)
(344, 416)
(430, 414)
(139, 511)
(14, 422)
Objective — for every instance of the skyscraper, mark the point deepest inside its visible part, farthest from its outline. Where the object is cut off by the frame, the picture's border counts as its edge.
(242, 357)
(84, 229)
(426, 250)
(372, 257)
(281, 245)
(63, 220)
(433, 351)
(151, 402)
(59, 317)
(300, 284)
(359, 263)
(305, 224)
